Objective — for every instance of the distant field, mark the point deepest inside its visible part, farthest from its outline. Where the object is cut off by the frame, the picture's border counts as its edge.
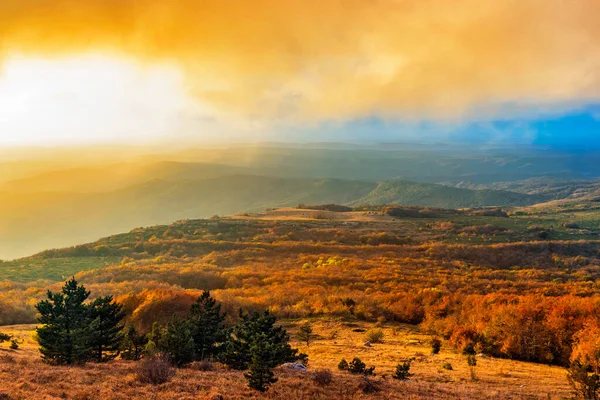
(52, 269)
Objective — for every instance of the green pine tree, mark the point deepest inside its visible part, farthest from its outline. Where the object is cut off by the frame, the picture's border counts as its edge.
(178, 342)
(209, 333)
(252, 328)
(133, 344)
(106, 329)
(305, 333)
(260, 376)
(65, 326)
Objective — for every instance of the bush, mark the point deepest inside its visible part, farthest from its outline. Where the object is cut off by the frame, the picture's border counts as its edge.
(323, 377)
(584, 384)
(320, 215)
(343, 365)
(155, 370)
(436, 345)
(356, 366)
(368, 386)
(447, 366)
(203, 366)
(375, 335)
(402, 371)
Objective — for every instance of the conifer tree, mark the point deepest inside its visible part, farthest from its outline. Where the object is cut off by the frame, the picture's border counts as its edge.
(65, 330)
(206, 319)
(305, 333)
(177, 342)
(154, 344)
(106, 329)
(260, 376)
(133, 344)
(252, 329)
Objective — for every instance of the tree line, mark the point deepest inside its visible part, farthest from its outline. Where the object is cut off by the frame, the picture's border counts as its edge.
(74, 330)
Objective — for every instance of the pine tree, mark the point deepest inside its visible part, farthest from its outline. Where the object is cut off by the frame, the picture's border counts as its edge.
(305, 333)
(177, 342)
(251, 329)
(65, 331)
(260, 376)
(106, 329)
(209, 332)
(133, 344)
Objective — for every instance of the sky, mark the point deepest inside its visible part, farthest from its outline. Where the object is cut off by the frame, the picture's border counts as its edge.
(153, 71)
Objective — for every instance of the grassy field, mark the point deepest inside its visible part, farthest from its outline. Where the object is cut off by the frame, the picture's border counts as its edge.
(24, 376)
(52, 269)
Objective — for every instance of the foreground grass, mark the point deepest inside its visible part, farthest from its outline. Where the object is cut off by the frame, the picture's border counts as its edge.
(24, 376)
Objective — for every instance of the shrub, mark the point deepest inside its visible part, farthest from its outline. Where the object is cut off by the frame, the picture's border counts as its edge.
(356, 366)
(323, 377)
(368, 386)
(343, 365)
(155, 370)
(584, 384)
(436, 345)
(402, 371)
(203, 366)
(447, 366)
(320, 215)
(374, 335)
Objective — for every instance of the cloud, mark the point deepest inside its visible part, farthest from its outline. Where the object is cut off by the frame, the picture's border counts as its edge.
(314, 60)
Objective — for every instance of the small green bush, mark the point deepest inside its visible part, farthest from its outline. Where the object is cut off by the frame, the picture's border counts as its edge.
(375, 335)
(447, 366)
(356, 366)
(402, 371)
(343, 365)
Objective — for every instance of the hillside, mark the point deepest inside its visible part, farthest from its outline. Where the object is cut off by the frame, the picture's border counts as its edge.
(412, 193)
(33, 221)
(475, 276)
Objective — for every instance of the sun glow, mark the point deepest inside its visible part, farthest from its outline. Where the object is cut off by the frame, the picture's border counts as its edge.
(88, 99)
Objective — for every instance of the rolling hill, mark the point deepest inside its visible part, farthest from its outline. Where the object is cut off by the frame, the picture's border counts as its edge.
(31, 222)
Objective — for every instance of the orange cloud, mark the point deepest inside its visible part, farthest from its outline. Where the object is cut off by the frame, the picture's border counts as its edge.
(322, 59)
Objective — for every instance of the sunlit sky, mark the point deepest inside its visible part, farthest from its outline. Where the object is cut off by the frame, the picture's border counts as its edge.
(102, 71)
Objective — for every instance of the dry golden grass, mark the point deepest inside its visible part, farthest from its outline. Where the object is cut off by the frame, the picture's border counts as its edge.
(24, 376)
(299, 214)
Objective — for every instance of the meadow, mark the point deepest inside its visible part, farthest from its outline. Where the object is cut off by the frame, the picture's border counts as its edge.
(26, 377)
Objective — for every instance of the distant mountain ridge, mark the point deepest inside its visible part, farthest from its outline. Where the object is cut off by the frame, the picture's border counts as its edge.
(66, 196)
